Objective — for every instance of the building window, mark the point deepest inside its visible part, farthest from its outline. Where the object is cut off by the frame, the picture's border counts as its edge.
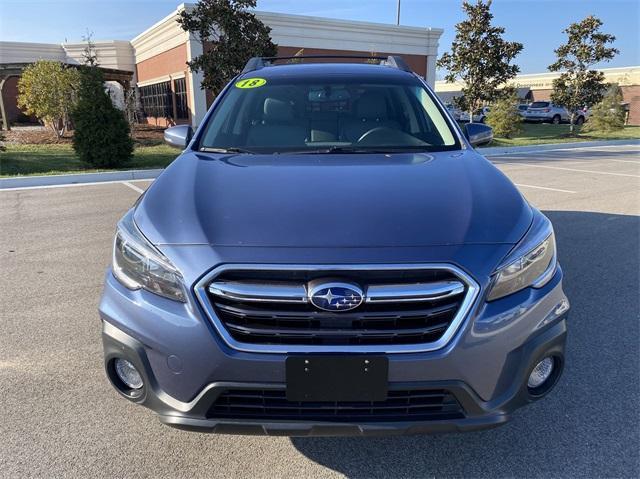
(180, 88)
(157, 100)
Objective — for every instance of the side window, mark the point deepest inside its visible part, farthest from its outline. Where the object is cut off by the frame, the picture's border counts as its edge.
(157, 100)
(218, 130)
(435, 120)
(242, 119)
(182, 108)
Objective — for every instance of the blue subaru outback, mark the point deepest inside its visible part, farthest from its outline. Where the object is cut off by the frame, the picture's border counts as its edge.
(329, 255)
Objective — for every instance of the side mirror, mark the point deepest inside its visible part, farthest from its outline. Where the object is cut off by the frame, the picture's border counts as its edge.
(478, 134)
(178, 136)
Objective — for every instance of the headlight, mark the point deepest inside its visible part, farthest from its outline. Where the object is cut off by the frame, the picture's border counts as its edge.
(138, 264)
(532, 263)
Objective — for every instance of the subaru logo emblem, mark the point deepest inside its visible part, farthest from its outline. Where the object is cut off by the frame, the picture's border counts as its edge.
(334, 295)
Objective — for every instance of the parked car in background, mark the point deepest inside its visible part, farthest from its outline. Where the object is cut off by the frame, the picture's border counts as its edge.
(522, 109)
(454, 112)
(478, 117)
(481, 115)
(583, 115)
(548, 112)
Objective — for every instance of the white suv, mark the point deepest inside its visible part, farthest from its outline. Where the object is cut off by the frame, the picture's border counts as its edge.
(545, 111)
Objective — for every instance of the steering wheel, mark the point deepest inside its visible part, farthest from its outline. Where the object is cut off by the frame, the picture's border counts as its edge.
(383, 135)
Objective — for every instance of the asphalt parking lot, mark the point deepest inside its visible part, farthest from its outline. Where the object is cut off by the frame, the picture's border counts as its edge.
(60, 416)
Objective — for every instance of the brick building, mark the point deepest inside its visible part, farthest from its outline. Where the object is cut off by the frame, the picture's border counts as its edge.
(170, 93)
(538, 86)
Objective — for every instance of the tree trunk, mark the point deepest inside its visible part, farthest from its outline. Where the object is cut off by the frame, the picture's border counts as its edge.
(572, 122)
(54, 127)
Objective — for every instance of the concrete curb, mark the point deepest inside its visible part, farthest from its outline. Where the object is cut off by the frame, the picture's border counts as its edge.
(510, 150)
(110, 176)
(78, 178)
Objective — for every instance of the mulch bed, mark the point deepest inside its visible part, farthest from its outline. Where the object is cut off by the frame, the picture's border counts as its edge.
(146, 135)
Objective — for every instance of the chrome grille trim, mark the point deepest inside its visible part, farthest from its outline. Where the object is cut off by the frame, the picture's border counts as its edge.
(398, 293)
(297, 292)
(260, 292)
(473, 289)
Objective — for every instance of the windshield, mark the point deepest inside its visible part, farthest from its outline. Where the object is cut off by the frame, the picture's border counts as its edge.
(331, 114)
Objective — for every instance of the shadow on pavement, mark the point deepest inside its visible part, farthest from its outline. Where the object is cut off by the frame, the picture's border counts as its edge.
(589, 426)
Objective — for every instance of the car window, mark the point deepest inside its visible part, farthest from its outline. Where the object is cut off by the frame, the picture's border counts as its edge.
(539, 104)
(288, 114)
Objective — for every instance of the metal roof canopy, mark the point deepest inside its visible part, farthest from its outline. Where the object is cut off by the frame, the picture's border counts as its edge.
(522, 93)
(110, 74)
(8, 70)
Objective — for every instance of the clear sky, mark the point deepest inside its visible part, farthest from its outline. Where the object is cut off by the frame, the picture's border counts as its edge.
(538, 24)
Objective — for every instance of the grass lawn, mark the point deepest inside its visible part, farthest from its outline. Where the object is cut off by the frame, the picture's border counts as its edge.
(541, 133)
(60, 158)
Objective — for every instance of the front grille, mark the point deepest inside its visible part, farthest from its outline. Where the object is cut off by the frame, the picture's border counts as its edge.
(400, 307)
(401, 405)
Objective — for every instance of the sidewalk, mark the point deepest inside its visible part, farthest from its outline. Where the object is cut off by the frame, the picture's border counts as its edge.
(111, 176)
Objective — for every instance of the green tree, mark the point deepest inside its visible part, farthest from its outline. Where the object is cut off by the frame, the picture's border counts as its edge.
(89, 53)
(101, 136)
(608, 114)
(578, 86)
(48, 90)
(230, 34)
(503, 116)
(480, 57)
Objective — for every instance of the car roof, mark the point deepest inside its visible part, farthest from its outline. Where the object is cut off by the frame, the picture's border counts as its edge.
(312, 70)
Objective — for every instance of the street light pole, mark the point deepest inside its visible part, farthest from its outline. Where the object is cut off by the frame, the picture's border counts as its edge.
(398, 14)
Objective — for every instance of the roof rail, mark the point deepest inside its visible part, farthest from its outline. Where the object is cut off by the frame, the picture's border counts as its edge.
(398, 62)
(254, 63)
(394, 61)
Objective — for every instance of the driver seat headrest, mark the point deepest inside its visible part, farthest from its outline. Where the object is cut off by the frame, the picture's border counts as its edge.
(371, 107)
(277, 110)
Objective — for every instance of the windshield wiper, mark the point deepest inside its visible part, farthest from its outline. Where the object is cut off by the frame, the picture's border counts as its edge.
(328, 151)
(354, 149)
(232, 149)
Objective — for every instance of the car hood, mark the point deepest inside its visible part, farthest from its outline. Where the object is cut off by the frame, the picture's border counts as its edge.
(344, 200)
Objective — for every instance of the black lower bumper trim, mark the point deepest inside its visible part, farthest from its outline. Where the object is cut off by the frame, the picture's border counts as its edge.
(295, 428)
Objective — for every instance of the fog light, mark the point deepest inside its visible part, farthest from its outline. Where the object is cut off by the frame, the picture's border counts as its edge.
(540, 373)
(128, 374)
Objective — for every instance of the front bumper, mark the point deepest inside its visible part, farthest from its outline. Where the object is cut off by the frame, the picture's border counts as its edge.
(479, 414)
(186, 367)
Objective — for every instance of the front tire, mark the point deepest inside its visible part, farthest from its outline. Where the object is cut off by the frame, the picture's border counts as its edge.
(579, 121)
(556, 120)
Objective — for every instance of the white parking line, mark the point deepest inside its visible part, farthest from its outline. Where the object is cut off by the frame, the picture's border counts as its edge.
(516, 161)
(633, 162)
(575, 169)
(545, 188)
(68, 185)
(133, 187)
(542, 149)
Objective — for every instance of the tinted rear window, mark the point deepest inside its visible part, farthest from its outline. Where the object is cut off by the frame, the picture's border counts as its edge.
(539, 104)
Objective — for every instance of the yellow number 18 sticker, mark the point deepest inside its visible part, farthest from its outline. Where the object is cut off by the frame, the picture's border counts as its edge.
(251, 83)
